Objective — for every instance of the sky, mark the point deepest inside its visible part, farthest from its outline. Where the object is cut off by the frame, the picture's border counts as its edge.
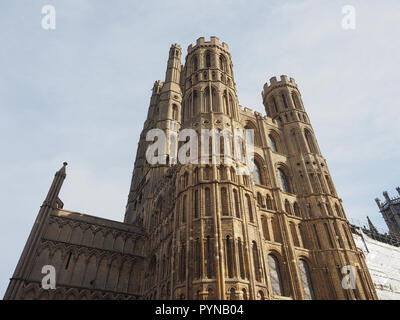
(80, 93)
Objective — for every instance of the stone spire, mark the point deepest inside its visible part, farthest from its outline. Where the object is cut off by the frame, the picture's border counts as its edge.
(371, 226)
(52, 195)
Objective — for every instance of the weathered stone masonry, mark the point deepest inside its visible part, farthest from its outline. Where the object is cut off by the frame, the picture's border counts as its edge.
(200, 231)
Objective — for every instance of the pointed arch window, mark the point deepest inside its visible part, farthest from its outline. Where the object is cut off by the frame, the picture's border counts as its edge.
(310, 141)
(237, 204)
(242, 272)
(347, 236)
(296, 210)
(210, 100)
(196, 203)
(264, 221)
(229, 257)
(249, 135)
(269, 203)
(208, 60)
(207, 102)
(222, 172)
(306, 282)
(207, 202)
(174, 112)
(309, 210)
(272, 143)
(224, 202)
(259, 199)
(283, 180)
(207, 173)
(249, 208)
(252, 136)
(246, 180)
(256, 262)
(227, 107)
(338, 235)
(284, 100)
(195, 103)
(257, 173)
(296, 101)
(195, 64)
(233, 174)
(231, 106)
(225, 102)
(182, 263)
(275, 276)
(274, 104)
(232, 294)
(222, 63)
(244, 293)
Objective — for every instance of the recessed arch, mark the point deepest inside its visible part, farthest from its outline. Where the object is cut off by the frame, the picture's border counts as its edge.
(283, 178)
(269, 202)
(249, 208)
(305, 278)
(222, 63)
(207, 61)
(310, 141)
(211, 100)
(275, 275)
(195, 63)
(252, 137)
(274, 142)
(296, 209)
(296, 101)
(260, 175)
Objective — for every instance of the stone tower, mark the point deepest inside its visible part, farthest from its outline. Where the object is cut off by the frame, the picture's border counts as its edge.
(390, 210)
(280, 233)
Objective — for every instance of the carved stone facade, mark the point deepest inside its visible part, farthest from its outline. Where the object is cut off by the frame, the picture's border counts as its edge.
(200, 231)
(94, 258)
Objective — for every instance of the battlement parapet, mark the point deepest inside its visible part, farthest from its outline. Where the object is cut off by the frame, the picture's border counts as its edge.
(273, 83)
(202, 42)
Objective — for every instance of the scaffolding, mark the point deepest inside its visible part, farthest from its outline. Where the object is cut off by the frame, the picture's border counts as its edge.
(385, 238)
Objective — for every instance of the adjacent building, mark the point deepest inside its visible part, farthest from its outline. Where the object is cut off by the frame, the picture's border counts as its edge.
(382, 254)
(390, 210)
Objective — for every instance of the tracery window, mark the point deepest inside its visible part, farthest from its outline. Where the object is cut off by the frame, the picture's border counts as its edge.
(275, 275)
(305, 278)
(284, 182)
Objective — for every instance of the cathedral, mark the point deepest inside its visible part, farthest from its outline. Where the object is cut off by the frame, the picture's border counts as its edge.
(200, 230)
(390, 210)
